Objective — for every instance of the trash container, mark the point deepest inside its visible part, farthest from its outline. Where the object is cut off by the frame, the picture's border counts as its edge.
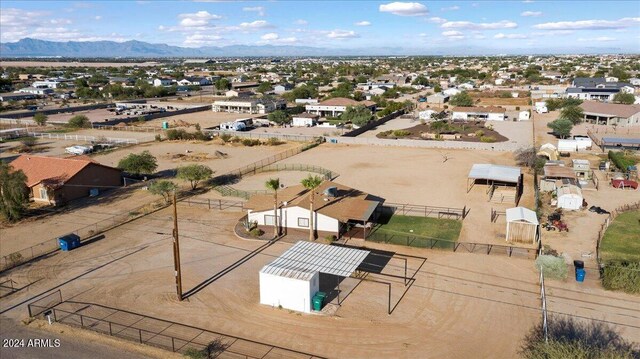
(317, 303)
(165, 125)
(580, 273)
(69, 242)
(578, 264)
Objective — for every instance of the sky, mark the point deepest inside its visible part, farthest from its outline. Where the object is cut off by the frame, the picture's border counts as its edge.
(504, 25)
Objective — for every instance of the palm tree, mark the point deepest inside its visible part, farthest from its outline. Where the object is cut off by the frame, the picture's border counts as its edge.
(273, 184)
(311, 183)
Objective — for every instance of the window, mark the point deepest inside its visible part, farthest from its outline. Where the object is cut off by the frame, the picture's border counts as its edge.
(269, 220)
(43, 193)
(303, 222)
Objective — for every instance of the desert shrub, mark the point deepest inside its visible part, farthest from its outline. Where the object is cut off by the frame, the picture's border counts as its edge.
(79, 121)
(274, 141)
(570, 338)
(479, 133)
(250, 142)
(174, 134)
(401, 133)
(621, 275)
(158, 138)
(200, 136)
(212, 350)
(552, 266)
(225, 137)
(330, 238)
(236, 139)
(385, 133)
(488, 139)
(256, 232)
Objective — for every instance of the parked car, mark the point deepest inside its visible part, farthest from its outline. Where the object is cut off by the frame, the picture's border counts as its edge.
(78, 150)
(624, 183)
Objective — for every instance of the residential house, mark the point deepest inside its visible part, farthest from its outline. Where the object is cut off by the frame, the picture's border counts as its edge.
(280, 89)
(438, 98)
(304, 119)
(248, 105)
(336, 208)
(157, 82)
(335, 107)
(59, 180)
(596, 88)
(194, 81)
(239, 93)
(611, 114)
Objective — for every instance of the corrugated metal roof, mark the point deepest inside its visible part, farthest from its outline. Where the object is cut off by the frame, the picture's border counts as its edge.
(626, 141)
(304, 259)
(521, 214)
(495, 173)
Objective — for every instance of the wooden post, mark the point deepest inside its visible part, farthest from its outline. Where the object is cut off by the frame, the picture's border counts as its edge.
(176, 251)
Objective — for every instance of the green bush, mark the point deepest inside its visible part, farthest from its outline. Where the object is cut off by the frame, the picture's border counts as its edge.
(174, 134)
(256, 232)
(274, 141)
(225, 137)
(79, 121)
(552, 267)
(488, 139)
(622, 275)
(479, 133)
(385, 133)
(401, 133)
(250, 142)
(158, 138)
(622, 160)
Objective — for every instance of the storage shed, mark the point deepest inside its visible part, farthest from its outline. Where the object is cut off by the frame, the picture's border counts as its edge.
(522, 225)
(505, 182)
(293, 279)
(569, 196)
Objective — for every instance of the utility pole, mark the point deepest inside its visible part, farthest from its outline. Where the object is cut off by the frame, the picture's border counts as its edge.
(176, 249)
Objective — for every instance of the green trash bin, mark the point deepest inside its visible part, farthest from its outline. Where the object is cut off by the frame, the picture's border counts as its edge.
(317, 303)
(322, 295)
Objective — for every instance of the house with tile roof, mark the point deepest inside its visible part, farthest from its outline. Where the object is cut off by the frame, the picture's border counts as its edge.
(334, 107)
(336, 208)
(611, 113)
(59, 180)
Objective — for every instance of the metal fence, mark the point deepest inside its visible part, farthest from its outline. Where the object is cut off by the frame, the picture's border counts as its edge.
(82, 138)
(45, 303)
(85, 232)
(214, 204)
(607, 222)
(543, 299)
(127, 128)
(168, 335)
(423, 211)
(263, 135)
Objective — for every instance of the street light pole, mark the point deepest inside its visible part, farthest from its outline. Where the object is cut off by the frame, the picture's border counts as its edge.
(176, 249)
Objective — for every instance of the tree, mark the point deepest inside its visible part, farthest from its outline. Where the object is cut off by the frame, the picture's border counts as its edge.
(280, 117)
(437, 88)
(40, 119)
(528, 157)
(625, 98)
(79, 121)
(561, 127)
(163, 188)
(572, 113)
(264, 87)
(13, 193)
(274, 184)
(357, 115)
(223, 84)
(463, 99)
(311, 183)
(137, 164)
(420, 80)
(194, 174)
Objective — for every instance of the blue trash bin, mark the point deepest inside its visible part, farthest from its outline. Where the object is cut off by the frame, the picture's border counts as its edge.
(580, 273)
(69, 242)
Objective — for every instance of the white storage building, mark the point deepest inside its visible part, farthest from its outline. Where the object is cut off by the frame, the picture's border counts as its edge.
(522, 225)
(569, 197)
(293, 279)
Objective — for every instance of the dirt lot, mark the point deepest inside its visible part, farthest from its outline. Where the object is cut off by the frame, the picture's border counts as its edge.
(256, 182)
(410, 175)
(172, 154)
(206, 119)
(44, 147)
(444, 313)
(470, 128)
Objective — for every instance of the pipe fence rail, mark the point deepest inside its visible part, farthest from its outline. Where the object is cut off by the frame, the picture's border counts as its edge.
(85, 232)
(83, 138)
(127, 128)
(262, 135)
(423, 211)
(164, 334)
(214, 204)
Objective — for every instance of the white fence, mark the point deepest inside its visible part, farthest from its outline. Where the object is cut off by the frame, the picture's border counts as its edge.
(82, 138)
(497, 146)
(263, 135)
(127, 128)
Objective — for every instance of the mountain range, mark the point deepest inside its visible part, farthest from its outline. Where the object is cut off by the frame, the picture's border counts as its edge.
(28, 47)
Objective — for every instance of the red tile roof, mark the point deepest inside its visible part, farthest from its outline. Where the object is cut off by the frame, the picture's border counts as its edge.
(50, 169)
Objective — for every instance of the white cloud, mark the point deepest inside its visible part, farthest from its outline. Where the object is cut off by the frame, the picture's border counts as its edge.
(451, 8)
(404, 9)
(531, 13)
(504, 24)
(598, 39)
(422, 34)
(510, 36)
(342, 34)
(301, 22)
(198, 39)
(258, 24)
(270, 36)
(553, 33)
(452, 34)
(437, 20)
(363, 23)
(200, 18)
(258, 9)
(98, 17)
(590, 24)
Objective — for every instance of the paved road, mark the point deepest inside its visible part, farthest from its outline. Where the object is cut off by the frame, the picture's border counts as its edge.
(68, 348)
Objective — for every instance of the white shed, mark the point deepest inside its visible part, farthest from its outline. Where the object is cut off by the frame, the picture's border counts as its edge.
(524, 116)
(293, 279)
(567, 146)
(569, 196)
(522, 225)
